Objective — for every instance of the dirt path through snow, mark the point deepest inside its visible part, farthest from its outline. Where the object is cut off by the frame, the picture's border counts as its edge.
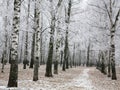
(81, 82)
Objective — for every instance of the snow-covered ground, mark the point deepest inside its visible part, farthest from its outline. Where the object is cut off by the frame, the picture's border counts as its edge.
(83, 81)
(79, 78)
(71, 79)
(102, 82)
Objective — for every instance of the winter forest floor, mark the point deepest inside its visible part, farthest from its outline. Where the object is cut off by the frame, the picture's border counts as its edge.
(79, 78)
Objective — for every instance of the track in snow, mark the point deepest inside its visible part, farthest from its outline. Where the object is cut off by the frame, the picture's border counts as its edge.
(81, 82)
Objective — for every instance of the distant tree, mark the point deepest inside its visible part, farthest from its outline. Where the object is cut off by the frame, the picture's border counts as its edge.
(61, 61)
(21, 48)
(80, 58)
(32, 50)
(41, 41)
(73, 56)
(5, 50)
(103, 63)
(109, 66)
(88, 56)
(3, 61)
(25, 61)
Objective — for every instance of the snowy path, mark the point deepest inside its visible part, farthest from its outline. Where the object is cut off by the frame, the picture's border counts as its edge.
(82, 82)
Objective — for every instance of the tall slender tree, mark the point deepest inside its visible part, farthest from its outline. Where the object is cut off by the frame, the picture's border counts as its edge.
(113, 24)
(88, 56)
(109, 65)
(37, 39)
(57, 50)
(32, 50)
(25, 62)
(4, 55)
(67, 21)
(41, 40)
(21, 48)
(73, 55)
(5, 51)
(51, 42)
(13, 77)
(58, 36)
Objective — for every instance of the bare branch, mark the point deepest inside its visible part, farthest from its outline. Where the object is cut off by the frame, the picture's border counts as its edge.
(116, 18)
(108, 12)
(97, 6)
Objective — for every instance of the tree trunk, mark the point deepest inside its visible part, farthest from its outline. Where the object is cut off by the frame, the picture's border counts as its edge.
(63, 68)
(13, 77)
(5, 54)
(21, 50)
(70, 61)
(2, 70)
(57, 47)
(51, 43)
(61, 61)
(66, 53)
(109, 66)
(55, 67)
(88, 56)
(103, 63)
(67, 21)
(26, 38)
(73, 56)
(9, 51)
(50, 56)
(26, 52)
(41, 42)
(80, 58)
(66, 50)
(37, 40)
(112, 54)
(32, 51)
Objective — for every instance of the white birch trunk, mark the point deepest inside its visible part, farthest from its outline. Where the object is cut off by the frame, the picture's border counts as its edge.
(13, 77)
(37, 40)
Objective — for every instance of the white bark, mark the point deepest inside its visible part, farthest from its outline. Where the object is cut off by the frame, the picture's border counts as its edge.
(37, 40)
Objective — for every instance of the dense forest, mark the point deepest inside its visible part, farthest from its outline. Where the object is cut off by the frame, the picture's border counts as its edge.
(45, 43)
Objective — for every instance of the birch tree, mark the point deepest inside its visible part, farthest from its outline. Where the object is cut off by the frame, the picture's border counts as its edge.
(67, 21)
(5, 51)
(113, 24)
(37, 40)
(58, 39)
(51, 42)
(4, 55)
(13, 76)
(25, 62)
(111, 7)
(88, 56)
(57, 50)
(32, 50)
